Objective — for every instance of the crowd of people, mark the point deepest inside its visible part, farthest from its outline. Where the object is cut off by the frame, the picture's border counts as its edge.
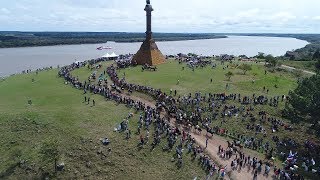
(198, 111)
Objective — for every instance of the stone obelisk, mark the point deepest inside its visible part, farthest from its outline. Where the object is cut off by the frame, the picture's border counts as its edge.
(149, 52)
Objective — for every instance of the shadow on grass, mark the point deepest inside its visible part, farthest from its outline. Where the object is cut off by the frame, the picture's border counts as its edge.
(9, 171)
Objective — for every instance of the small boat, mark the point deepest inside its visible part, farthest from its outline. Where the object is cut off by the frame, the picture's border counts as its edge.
(104, 47)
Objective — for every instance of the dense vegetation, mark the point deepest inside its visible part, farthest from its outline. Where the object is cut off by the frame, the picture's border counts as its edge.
(304, 103)
(25, 39)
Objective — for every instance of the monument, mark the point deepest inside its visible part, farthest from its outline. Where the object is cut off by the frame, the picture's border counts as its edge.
(149, 52)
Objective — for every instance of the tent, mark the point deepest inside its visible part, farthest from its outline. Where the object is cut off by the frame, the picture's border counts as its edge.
(106, 55)
(112, 56)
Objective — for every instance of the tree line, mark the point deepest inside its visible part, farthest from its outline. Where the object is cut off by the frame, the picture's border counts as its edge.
(303, 104)
(25, 39)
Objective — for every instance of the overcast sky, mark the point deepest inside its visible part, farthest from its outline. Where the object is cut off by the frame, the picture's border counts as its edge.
(212, 16)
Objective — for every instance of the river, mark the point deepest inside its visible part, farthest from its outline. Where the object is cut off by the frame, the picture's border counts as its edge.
(15, 60)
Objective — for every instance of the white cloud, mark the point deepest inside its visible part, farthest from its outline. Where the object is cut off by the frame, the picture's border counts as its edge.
(5, 11)
(282, 16)
(169, 16)
(249, 13)
(316, 18)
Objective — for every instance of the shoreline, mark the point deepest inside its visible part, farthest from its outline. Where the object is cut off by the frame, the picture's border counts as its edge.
(130, 42)
(42, 52)
(118, 41)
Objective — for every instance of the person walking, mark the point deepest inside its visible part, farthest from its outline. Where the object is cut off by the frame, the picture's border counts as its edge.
(255, 175)
(141, 139)
(207, 142)
(93, 102)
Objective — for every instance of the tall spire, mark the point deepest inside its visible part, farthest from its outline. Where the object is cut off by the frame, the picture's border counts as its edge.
(148, 10)
(148, 52)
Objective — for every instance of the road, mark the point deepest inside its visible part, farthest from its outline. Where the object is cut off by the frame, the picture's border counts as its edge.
(292, 68)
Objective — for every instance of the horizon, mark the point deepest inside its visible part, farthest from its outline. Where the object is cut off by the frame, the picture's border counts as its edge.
(201, 16)
(221, 33)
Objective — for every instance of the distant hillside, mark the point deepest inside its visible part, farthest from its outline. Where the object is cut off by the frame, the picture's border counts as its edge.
(26, 39)
(302, 54)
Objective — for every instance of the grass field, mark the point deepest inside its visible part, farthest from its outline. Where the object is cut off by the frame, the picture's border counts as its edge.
(58, 112)
(253, 81)
(306, 65)
(189, 82)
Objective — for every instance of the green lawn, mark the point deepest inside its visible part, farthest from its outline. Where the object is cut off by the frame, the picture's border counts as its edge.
(168, 74)
(57, 112)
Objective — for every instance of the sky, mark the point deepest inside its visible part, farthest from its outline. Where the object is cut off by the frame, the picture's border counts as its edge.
(182, 16)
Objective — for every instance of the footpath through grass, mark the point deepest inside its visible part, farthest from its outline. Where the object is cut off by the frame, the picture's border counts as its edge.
(302, 65)
(279, 83)
(58, 112)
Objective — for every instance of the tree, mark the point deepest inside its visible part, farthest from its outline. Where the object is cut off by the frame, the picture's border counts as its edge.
(318, 66)
(192, 54)
(50, 152)
(316, 55)
(304, 103)
(245, 68)
(269, 57)
(260, 55)
(271, 60)
(229, 75)
(297, 73)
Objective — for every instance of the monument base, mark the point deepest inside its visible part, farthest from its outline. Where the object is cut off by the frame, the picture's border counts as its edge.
(149, 54)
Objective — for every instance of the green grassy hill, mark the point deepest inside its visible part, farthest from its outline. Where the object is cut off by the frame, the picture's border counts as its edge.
(58, 113)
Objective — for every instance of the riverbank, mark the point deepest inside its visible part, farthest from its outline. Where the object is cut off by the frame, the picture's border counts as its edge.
(15, 60)
(34, 39)
(302, 54)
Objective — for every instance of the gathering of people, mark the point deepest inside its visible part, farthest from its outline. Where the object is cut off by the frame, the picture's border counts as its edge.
(198, 111)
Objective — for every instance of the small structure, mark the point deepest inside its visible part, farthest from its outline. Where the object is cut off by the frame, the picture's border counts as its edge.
(112, 56)
(149, 52)
(106, 55)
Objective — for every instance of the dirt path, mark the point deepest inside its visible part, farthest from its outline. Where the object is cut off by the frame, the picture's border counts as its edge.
(212, 148)
(293, 68)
